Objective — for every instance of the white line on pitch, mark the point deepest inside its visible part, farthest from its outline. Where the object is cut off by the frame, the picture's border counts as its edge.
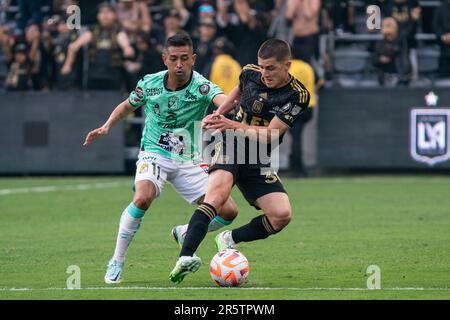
(83, 186)
(217, 288)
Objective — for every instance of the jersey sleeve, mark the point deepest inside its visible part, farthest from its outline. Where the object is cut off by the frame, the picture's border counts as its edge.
(210, 90)
(294, 108)
(138, 97)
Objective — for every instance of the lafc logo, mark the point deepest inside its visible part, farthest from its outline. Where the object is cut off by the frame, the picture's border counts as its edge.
(430, 135)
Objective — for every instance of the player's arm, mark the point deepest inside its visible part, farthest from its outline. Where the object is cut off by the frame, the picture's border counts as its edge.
(81, 41)
(118, 114)
(270, 133)
(124, 44)
(225, 103)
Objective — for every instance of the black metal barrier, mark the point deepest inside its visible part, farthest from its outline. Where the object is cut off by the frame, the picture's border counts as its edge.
(401, 128)
(44, 133)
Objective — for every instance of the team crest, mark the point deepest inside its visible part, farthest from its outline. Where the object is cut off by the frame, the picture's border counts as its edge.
(430, 135)
(173, 102)
(143, 168)
(204, 89)
(257, 106)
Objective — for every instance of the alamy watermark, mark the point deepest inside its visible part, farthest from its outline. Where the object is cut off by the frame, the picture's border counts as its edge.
(373, 21)
(74, 280)
(374, 279)
(74, 17)
(259, 147)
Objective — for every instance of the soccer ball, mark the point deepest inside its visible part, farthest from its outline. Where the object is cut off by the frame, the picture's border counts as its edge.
(229, 268)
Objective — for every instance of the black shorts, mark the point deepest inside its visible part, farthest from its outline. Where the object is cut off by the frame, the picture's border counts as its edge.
(254, 181)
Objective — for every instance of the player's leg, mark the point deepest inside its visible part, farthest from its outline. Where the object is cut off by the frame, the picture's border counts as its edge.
(129, 224)
(224, 218)
(265, 192)
(149, 182)
(220, 183)
(191, 182)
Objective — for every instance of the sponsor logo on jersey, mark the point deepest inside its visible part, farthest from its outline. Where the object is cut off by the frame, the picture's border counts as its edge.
(204, 89)
(430, 135)
(154, 91)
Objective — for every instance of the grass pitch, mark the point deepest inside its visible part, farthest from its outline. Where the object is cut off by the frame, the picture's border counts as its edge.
(339, 228)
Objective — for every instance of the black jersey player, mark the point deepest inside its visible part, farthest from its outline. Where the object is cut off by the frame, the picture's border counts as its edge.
(270, 102)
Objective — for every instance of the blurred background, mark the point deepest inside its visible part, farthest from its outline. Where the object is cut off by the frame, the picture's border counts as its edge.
(381, 80)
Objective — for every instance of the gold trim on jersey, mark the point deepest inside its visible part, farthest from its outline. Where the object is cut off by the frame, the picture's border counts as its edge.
(253, 67)
(303, 93)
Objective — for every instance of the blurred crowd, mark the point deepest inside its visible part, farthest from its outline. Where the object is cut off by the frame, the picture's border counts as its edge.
(119, 41)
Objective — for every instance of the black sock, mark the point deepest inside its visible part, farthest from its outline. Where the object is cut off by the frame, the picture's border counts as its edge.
(258, 228)
(197, 229)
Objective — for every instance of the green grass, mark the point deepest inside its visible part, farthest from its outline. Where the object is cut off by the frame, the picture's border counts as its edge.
(340, 227)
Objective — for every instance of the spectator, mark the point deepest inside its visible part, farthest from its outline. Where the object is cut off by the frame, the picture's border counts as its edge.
(108, 46)
(133, 16)
(339, 15)
(171, 24)
(303, 72)
(204, 44)
(147, 60)
(246, 27)
(391, 55)
(304, 17)
(30, 13)
(407, 14)
(442, 29)
(224, 70)
(60, 47)
(39, 57)
(19, 70)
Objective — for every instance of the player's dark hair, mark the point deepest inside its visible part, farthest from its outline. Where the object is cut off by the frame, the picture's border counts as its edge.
(275, 48)
(179, 39)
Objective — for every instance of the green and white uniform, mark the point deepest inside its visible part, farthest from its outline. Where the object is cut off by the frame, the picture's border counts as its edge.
(169, 144)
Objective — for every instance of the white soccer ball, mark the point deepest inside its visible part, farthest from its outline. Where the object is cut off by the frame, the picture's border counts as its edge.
(229, 268)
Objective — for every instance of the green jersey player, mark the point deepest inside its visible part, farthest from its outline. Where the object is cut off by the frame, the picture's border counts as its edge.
(174, 100)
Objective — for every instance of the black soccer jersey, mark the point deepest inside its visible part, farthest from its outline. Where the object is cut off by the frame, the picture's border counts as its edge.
(259, 104)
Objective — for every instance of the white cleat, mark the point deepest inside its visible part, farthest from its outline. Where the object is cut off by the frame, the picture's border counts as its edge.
(183, 267)
(113, 272)
(225, 241)
(179, 233)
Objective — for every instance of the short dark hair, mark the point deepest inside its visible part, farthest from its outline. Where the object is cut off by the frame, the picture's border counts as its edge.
(179, 39)
(276, 48)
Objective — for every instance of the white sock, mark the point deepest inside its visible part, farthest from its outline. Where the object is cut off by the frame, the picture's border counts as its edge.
(127, 228)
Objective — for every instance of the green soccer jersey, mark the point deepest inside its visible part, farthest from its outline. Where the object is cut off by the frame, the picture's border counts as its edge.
(171, 115)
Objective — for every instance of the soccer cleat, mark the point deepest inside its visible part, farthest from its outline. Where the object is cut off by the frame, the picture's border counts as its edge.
(224, 241)
(178, 234)
(183, 267)
(113, 272)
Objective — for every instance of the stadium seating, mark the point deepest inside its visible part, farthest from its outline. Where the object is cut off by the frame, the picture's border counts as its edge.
(351, 67)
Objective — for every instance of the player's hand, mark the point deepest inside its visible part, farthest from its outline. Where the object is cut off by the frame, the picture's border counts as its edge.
(94, 134)
(210, 118)
(66, 69)
(219, 123)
